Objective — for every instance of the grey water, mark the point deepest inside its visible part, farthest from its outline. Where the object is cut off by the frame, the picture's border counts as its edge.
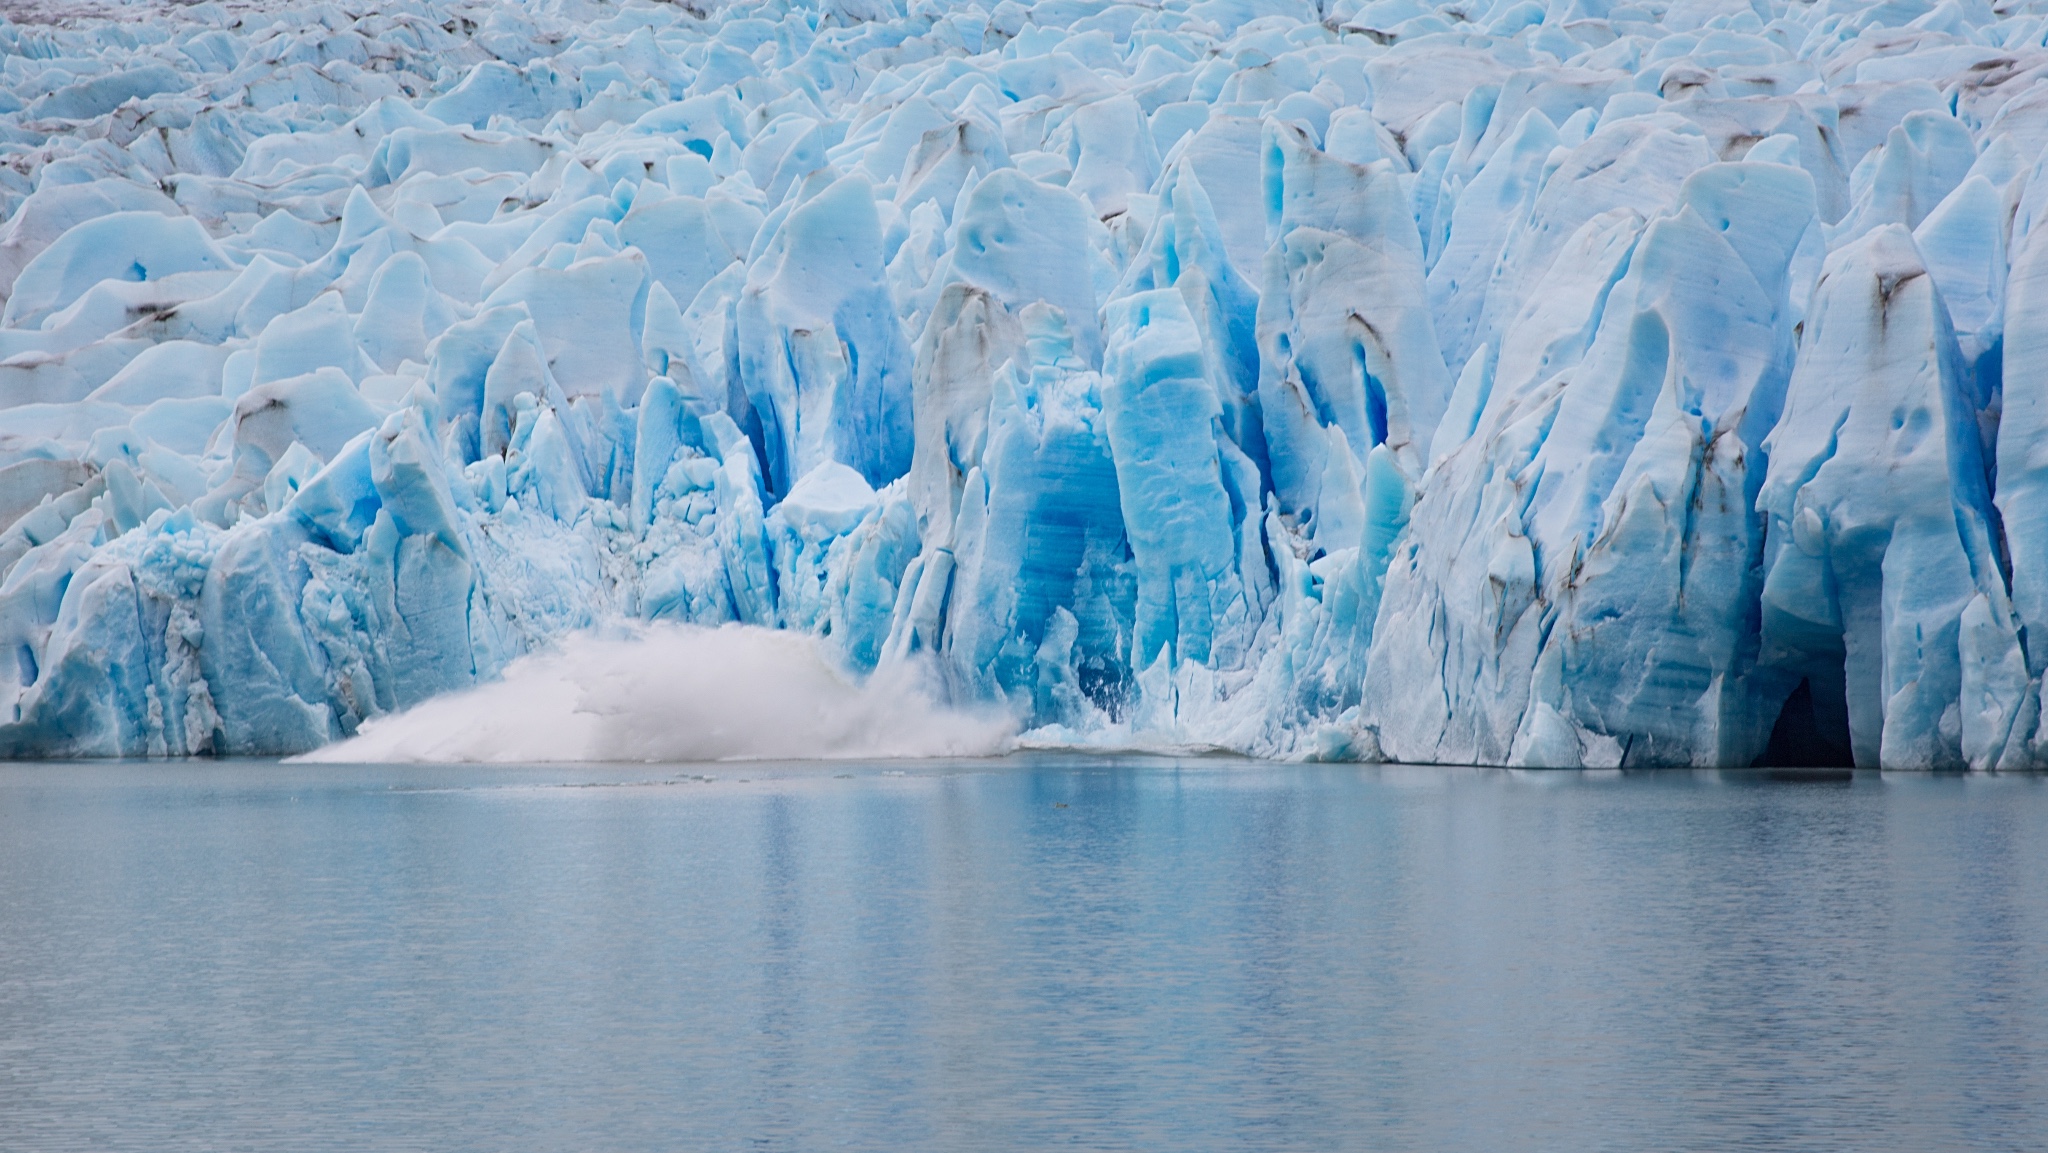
(1018, 955)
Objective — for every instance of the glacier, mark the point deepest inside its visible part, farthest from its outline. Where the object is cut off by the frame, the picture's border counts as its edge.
(1602, 383)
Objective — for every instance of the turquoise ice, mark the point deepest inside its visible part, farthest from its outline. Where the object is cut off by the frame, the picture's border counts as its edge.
(1568, 383)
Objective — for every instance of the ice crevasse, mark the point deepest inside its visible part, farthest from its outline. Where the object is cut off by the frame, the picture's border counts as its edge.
(1534, 382)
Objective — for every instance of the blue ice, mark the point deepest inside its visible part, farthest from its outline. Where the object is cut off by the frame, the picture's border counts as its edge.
(1499, 383)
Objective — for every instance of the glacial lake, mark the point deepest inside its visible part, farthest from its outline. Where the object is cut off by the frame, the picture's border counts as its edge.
(1030, 954)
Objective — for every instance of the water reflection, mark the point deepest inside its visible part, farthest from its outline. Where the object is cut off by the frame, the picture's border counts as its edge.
(1144, 955)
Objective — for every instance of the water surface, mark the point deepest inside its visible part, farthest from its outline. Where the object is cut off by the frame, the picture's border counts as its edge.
(1053, 953)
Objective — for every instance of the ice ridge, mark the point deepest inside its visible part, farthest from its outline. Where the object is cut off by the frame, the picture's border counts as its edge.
(1575, 383)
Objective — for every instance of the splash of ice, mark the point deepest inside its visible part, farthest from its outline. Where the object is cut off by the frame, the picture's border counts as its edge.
(676, 693)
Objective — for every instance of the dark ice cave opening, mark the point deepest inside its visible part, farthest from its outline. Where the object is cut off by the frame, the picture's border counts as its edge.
(1806, 737)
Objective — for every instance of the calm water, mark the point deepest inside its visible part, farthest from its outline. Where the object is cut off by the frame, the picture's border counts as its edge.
(1021, 955)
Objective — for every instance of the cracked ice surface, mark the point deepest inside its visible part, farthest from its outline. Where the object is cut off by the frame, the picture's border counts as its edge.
(1489, 381)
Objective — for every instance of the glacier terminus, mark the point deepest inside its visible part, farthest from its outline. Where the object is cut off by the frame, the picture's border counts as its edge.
(1526, 382)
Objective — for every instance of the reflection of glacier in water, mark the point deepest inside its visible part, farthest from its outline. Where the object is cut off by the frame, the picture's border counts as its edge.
(677, 693)
(1581, 384)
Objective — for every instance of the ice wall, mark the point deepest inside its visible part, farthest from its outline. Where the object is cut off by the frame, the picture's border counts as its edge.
(1566, 383)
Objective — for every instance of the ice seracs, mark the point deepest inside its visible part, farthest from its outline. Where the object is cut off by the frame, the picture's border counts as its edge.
(1583, 384)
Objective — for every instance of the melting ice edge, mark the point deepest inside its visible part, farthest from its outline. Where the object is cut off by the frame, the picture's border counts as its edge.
(1482, 382)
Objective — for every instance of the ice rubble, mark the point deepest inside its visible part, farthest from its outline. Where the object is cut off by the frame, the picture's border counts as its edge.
(1555, 383)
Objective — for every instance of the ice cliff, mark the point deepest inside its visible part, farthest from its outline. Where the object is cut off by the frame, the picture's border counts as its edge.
(1546, 382)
